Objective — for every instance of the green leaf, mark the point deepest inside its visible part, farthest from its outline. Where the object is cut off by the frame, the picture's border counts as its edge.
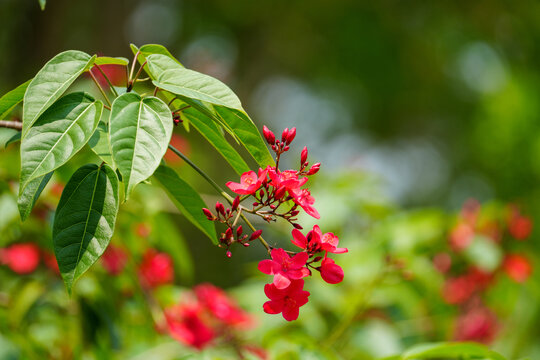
(195, 85)
(28, 197)
(158, 64)
(51, 82)
(140, 131)
(213, 134)
(106, 60)
(452, 350)
(58, 134)
(186, 199)
(11, 99)
(149, 49)
(247, 132)
(6, 136)
(42, 4)
(84, 220)
(13, 139)
(100, 143)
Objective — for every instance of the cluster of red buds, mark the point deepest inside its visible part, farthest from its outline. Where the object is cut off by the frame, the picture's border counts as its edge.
(466, 283)
(208, 315)
(274, 194)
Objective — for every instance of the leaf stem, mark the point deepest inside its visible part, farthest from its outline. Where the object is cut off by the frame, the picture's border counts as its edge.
(17, 125)
(133, 66)
(108, 80)
(218, 189)
(138, 73)
(100, 89)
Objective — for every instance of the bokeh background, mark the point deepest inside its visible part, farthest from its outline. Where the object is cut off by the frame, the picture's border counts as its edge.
(412, 107)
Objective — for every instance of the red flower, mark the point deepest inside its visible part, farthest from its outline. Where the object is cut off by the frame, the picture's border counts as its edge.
(156, 269)
(303, 198)
(520, 227)
(181, 144)
(250, 182)
(142, 230)
(114, 260)
(331, 272)
(442, 262)
(316, 241)
(287, 301)
(22, 258)
(461, 236)
(222, 306)
(284, 268)
(478, 324)
(458, 290)
(287, 179)
(517, 267)
(186, 325)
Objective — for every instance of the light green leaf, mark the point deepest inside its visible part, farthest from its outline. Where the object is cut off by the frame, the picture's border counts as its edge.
(84, 220)
(140, 130)
(42, 4)
(247, 132)
(7, 136)
(58, 134)
(213, 134)
(148, 49)
(106, 60)
(452, 350)
(195, 85)
(51, 82)
(27, 199)
(186, 199)
(100, 143)
(158, 63)
(11, 99)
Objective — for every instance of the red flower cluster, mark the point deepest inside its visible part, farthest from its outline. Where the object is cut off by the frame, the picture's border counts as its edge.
(465, 283)
(156, 269)
(286, 292)
(207, 315)
(280, 194)
(114, 260)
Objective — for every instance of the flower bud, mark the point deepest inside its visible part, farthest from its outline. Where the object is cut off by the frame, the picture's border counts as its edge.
(245, 244)
(286, 148)
(229, 253)
(239, 231)
(285, 135)
(314, 169)
(291, 135)
(208, 214)
(220, 208)
(303, 156)
(268, 135)
(297, 226)
(255, 235)
(228, 233)
(235, 203)
(331, 272)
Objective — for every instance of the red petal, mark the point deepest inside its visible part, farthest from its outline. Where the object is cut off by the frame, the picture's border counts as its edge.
(273, 306)
(268, 267)
(299, 260)
(340, 250)
(273, 293)
(281, 282)
(279, 256)
(299, 239)
(330, 272)
(290, 313)
(298, 274)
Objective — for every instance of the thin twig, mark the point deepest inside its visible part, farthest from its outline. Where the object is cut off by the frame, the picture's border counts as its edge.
(100, 89)
(108, 81)
(17, 125)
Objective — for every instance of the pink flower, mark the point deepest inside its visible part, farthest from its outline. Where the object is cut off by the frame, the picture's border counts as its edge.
(316, 241)
(250, 182)
(287, 179)
(22, 258)
(156, 269)
(222, 306)
(303, 198)
(284, 268)
(517, 267)
(114, 260)
(286, 301)
(186, 325)
(331, 272)
(458, 290)
(477, 324)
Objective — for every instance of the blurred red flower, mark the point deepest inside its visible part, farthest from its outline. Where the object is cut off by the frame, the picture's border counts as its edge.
(22, 258)
(114, 260)
(221, 306)
(518, 267)
(477, 324)
(156, 269)
(185, 324)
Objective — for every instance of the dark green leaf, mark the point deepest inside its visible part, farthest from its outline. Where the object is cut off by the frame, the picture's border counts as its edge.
(195, 85)
(58, 134)
(84, 220)
(186, 199)
(51, 82)
(11, 99)
(140, 131)
(27, 199)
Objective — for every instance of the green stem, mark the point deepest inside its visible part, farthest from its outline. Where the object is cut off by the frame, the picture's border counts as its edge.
(108, 81)
(100, 89)
(218, 189)
(133, 65)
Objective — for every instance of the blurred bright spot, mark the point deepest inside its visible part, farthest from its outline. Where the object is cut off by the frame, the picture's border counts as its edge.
(213, 54)
(154, 22)
(481, 68)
